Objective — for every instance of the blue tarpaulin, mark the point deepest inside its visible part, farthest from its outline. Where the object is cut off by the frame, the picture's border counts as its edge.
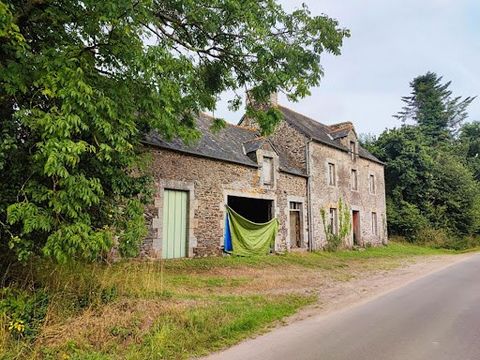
(227, 235)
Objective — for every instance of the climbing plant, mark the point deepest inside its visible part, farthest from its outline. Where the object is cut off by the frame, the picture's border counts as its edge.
(336, 238)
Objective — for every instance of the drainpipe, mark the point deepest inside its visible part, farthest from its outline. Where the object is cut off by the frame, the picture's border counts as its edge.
(311, 246)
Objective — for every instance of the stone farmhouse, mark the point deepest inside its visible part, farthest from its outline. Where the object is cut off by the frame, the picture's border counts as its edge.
(303, 167)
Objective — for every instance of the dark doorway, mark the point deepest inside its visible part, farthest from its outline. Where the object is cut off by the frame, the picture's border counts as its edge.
(256, 210)
(356, 227)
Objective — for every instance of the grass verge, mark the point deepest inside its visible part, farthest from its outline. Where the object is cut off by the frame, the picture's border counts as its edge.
(173, 309)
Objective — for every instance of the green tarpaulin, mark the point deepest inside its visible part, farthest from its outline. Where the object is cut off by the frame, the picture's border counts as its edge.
(249, 238)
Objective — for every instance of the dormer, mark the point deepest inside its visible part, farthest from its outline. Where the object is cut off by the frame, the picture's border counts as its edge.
(264, 154)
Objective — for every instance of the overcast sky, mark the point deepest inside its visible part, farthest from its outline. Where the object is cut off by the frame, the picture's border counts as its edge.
(391, 43)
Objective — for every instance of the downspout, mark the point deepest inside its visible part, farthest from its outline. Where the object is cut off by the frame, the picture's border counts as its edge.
(311, 246)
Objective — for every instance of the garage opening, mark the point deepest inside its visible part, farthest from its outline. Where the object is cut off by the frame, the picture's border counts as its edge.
(256, 210)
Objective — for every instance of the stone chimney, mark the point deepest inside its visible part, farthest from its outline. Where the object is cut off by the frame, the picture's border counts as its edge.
(346, 125)
(272, 101)
(250, 123)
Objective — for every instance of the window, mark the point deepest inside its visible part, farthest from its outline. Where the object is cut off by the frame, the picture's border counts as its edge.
(353, 149)
(374, 224)
(331, 175)
(354, 180)
(267, 170)
(371, 184)
(333, 225)
(295, 205)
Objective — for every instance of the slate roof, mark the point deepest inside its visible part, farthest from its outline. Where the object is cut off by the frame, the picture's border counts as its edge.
(231, 144)
(254, 145)
(234, 142)
(227, 144)
(339, 134)
(321, 133)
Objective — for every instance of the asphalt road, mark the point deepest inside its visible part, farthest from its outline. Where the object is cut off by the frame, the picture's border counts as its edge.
(436, 317)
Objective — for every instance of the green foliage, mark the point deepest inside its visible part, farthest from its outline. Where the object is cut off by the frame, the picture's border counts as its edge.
(24, 311)
(441, 239)
(405, 218)
(267, 119)
(456, 201)
(82, 82)
(335, 239)
(431, 187)
(432, 107)
(131, 224)
(469, 146)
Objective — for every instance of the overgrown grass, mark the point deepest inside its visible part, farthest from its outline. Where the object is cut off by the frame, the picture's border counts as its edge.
(173, 309)
(181, 332)
(223, 322)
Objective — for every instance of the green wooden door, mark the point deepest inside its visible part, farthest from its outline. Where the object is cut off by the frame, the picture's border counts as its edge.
(175, 225)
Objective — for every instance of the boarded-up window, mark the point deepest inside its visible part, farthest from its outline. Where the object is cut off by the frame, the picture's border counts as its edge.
(371, 184)
(354, 179)
(331, 174)
(353, 149)
(267, 171)
(374, 224)
(333, 225)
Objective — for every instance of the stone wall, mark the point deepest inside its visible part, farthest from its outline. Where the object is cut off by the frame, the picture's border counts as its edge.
(209, 183)
(288, 140)
(326, 196)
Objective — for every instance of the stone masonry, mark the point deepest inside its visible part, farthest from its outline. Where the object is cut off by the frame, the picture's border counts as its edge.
(211, 182)
(231, 163)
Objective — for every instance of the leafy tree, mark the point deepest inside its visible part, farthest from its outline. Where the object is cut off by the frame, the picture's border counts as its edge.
(425, 186)
(455, 200)
(409, 163)
(428, 182)
(409, 175)
(432, 107)
(82, 81)
(470, 146)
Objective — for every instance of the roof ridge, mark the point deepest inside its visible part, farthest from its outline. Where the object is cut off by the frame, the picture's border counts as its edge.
(207, 115)
(303, 115)
(256, 139)
(229, 123)
(242, 127)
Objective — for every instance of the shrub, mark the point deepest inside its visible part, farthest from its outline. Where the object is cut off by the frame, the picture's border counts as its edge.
(406, 219)
(436, 238)
(440, 238)
(23, 312)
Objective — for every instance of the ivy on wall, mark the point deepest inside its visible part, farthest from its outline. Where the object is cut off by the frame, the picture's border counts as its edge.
(336, 239)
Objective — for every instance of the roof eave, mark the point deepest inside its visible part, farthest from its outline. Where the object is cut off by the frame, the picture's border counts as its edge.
(294, 173)
(193, 153)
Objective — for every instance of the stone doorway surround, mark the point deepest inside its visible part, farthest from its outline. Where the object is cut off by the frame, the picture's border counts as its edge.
(157, 223)
(303, 221)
